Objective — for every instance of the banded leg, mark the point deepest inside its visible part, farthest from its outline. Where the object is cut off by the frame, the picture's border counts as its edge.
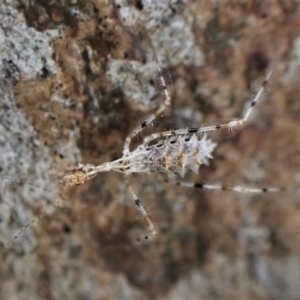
(163, 83)
(151, 228)
(220, 187)
(230, 125)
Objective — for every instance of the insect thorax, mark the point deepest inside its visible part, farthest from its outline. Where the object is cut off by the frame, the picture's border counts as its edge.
(174, 154)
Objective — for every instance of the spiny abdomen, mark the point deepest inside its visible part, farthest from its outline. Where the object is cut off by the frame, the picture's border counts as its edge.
(180, 154)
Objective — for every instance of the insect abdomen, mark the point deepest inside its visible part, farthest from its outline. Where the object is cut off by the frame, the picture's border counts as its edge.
(180, 154)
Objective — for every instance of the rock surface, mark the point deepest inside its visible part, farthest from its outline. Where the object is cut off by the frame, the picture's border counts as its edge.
(76, 76)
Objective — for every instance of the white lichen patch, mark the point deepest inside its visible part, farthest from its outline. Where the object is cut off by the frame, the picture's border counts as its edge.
(28, 49)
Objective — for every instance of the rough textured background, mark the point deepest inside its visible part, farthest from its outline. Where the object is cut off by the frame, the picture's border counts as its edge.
(76, 76)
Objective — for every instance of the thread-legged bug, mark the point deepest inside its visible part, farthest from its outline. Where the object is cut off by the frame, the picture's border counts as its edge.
(171, 152)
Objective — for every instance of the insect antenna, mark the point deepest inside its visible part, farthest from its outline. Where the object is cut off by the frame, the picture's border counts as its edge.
(71, 177)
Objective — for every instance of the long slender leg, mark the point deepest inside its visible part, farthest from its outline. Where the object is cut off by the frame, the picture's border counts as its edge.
(230, 125)
(163, 84)
(237, 188)
(151, 228)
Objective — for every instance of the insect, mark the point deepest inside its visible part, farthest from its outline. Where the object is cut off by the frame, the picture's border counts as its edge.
(172, 153)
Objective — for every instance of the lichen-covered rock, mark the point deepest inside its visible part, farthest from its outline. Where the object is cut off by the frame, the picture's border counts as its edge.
(76, 76)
